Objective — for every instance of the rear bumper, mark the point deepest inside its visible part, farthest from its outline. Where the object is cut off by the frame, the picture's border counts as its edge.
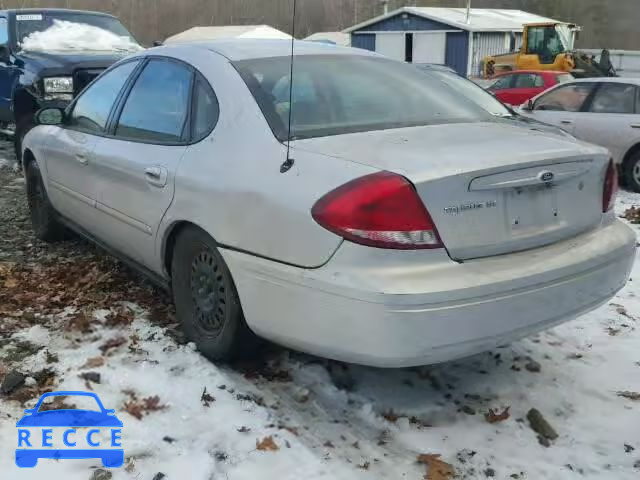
(398, 308)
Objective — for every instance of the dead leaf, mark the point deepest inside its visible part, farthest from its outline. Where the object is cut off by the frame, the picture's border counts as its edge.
(94, 362)
(112, 344)
(632, 214)
(436, 469)
(267, 445)
(122, 317)
(139, 408)
(635, 396)
(494, 417)
(207, 399)
(364, 466)
(390, 416)
(244, 429)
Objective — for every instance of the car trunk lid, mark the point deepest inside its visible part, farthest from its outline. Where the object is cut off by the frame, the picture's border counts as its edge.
(491, 188)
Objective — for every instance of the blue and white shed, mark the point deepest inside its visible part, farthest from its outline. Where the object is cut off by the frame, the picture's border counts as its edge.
(444, 35)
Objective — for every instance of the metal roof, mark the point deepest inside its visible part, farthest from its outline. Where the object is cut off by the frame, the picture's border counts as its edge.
(228, 31)
(480, 19)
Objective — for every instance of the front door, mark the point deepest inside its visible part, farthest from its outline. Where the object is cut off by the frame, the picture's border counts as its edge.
(68, 156)
(563, 105)
(136, 165)
(610, 118)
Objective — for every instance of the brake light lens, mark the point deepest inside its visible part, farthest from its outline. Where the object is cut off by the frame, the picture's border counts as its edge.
(380, 210)
(610, 190)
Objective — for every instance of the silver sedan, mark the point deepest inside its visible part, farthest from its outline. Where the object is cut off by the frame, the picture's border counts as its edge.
(372, 213)
(604, 111)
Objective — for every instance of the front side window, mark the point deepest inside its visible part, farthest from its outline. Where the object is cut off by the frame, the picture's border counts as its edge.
(614, 98)
(91, 110)
(156, 109)
(502, 83)
(338, 94)
(568, 98)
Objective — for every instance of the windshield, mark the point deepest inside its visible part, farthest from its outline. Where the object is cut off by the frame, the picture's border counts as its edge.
(338, 94)
(72, 31)
(473, 92)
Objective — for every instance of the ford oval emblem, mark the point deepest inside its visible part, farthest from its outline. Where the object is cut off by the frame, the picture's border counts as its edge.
(546, 176)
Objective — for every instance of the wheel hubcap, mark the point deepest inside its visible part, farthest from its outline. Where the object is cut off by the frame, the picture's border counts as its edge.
(208, 292)
(636, 172)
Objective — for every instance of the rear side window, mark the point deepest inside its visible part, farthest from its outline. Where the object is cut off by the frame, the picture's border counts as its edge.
(157, 106)
(205, 111)
(92, 108)
(614, 98)
(568, 98)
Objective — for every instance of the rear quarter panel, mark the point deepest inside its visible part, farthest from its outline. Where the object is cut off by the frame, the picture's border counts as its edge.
(230, 184)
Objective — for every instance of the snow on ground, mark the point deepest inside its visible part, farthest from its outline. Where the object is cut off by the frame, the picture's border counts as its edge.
(336, 421)
(71, 36)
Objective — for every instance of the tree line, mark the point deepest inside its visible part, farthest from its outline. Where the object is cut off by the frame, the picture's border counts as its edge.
(606, 23)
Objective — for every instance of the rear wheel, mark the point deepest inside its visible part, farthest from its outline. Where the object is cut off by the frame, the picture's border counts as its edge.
(43, 216)
(22, 128)
(206, 299)
(631, 172)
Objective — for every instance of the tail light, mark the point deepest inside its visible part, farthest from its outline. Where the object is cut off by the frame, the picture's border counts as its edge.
(610, 188)
(380, 210)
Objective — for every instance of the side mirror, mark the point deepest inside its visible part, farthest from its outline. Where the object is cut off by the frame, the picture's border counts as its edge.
(50, 116)
(29, 411)
(5, 54)
(157, 43)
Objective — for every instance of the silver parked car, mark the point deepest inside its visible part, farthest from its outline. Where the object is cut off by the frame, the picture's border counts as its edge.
(406, 226)
(604, 111)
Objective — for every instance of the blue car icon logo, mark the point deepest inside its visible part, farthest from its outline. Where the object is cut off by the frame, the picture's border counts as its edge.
(36, 433)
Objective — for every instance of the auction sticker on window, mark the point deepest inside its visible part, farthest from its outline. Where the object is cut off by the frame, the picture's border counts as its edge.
(30, 17)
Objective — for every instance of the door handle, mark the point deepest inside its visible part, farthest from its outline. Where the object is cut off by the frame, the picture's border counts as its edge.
(82, 158)
(635, 125)
(156, 176)
(566, 122)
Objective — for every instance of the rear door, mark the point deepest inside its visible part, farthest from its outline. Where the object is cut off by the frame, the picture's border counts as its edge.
(563, 105)
(136, 164)
(68, 155)
(610, 119)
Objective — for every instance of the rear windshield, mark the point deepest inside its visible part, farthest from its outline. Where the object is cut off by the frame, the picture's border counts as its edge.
(337, 94)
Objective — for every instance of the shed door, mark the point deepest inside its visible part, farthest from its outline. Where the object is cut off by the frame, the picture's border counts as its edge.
(391, 45)
(429, 47)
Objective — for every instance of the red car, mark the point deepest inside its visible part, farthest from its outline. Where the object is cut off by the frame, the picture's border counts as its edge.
(515, 88)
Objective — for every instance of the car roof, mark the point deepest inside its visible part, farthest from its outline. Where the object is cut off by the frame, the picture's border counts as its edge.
(540, 72)
(634, 81)
(246, 48)
(52, 10)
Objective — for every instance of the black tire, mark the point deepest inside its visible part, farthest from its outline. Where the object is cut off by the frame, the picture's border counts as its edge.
(22, 128)
(206, 299)
(631, 172)
(44, 218)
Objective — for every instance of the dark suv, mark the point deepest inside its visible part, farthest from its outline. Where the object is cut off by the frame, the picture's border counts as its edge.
(47, 56)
